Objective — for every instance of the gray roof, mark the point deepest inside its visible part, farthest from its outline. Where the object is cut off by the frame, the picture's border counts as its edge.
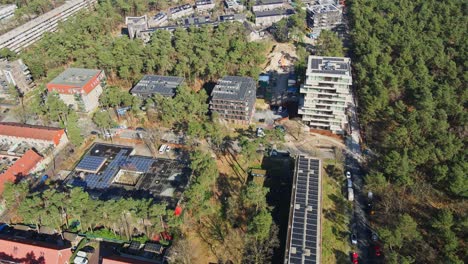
(75, 77)
(155, 84)
(329, 65)
(274, 12)
(234, 88)
(268, 2)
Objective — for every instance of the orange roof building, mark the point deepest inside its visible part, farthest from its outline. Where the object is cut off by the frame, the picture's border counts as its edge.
(79, 88)
(21, 168)
(16, 132)
(22, 250)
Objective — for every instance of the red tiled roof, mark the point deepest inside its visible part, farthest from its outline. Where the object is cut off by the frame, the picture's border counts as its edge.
(22, 166)
(21, 250)
(114, 259)
(33, 132)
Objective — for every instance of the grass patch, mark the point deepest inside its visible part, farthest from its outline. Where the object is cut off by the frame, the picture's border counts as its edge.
(335, 215)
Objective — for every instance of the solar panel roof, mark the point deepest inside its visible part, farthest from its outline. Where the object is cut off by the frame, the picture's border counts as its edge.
(90, 163)
(305, 221)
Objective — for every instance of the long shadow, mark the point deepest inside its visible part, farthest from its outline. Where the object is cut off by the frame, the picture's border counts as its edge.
(342, 257)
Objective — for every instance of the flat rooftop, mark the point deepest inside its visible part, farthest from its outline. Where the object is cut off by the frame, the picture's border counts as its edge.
(268, 2)
(234, 88)
(320, 9)
(75, 77)
(107, 166)
(304, 235)
(274, 12)
(329, 65)
(155, 84)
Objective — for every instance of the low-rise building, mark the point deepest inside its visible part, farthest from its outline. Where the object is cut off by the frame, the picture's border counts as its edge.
(234, 5)
(204, 5)
(326, 16)
(158, 20)
(7, 12)
(326, 93)
(233, 17)
(30, 32)
(15, 73)
(151, 85)
(40, 137)
(135, 25)
(264, 5)
(25, 165)
(79, 88)
(233, 98)
(181, 11)
(269, 17)
(18, 246)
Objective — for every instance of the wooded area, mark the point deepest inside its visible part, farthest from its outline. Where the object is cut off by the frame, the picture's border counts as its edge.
(410, 59)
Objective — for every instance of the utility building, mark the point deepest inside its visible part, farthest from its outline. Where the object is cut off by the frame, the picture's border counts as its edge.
(79, 88)
(234, 99)
(263, 5)
(326, 93)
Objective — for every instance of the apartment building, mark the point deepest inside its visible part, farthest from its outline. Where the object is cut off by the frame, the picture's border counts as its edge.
(79, 88)
(234, 5)
(326, 93)
(204, 5)
(324, 16)
(7, 12)
(158, 20)
(234, 99)
(264, 5)
(14, 73)
(181, 11)
(28, 33)
(39, 137)
(151, 85)
(269, 17)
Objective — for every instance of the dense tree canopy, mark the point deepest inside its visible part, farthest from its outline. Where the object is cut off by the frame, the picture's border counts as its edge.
(410, 73)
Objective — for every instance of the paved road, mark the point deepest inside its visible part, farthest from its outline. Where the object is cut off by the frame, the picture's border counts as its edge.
(359, 222)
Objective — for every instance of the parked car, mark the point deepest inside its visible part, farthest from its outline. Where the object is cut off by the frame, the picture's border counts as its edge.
(280, 128)
(348, 175)
(162, 149)
(94, 132)
(260, 132)
(88, 249)
(349, 183)
(374, 237)
(355, 257)
(377, 251)
(168, 148)
(80, 260)
(353, 238)
(140, 129)
(350, 194)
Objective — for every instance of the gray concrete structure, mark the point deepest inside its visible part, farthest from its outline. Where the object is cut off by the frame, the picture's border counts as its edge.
(234, 5)
(204, 5)
(181, 11)
(268, 18)
(233, 98)
(326, 93)
(28, 33)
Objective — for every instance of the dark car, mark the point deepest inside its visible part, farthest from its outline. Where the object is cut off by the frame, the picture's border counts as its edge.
(88, 249)
(280, 128)
(94, 132)
(140, 129)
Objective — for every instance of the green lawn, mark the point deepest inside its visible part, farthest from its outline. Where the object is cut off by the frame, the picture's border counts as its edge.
(335, 216)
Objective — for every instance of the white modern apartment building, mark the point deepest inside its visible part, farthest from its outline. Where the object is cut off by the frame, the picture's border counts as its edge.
(326, 93)
(7, 12)
(28, 33)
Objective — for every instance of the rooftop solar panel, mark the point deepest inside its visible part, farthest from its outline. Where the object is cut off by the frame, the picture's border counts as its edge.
(305, 219)
(91, 163)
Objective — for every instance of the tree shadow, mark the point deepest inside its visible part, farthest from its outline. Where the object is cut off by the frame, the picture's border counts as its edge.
(341, 257)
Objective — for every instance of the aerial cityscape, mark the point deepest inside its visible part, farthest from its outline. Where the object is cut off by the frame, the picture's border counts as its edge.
(233, 131)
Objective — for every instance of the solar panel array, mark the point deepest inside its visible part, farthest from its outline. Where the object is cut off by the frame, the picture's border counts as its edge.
(140, 164)
(305, 222)
(90, 163)
(153, 247)
(104, 180)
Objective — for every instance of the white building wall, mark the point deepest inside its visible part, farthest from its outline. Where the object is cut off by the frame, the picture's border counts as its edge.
(91, 100)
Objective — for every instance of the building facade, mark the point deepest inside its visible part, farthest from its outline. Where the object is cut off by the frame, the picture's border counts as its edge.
(264, 5)
(15, 73)
(7, 12)
(326, 93)
(16, 133)
(204, 5)
(234, 5)
(233, 98)
(326, 16)
(28, 33)
(79, 88)
(269, 17)
(151, 85)
(25, 165)
(181, 11)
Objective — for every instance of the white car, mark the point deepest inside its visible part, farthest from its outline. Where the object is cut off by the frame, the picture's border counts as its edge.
(353, 239)
(168, 148)
(348, 175)
(80, 260)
